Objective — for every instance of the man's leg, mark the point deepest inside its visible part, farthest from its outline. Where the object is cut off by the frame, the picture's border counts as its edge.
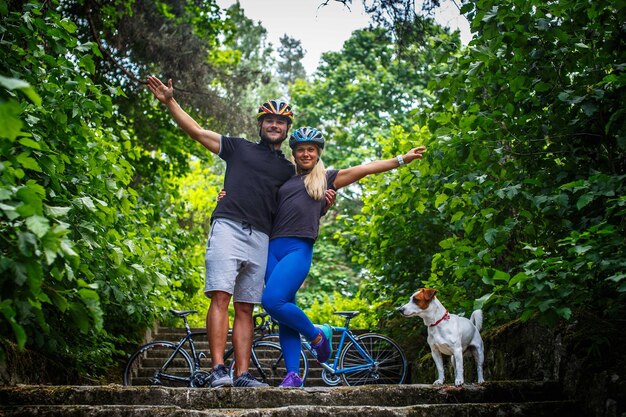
(217, 326)
(243, 328)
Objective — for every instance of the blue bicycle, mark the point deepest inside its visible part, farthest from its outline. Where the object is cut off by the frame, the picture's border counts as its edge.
(360, 360)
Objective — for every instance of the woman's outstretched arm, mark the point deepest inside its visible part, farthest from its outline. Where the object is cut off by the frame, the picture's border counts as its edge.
(350, 175)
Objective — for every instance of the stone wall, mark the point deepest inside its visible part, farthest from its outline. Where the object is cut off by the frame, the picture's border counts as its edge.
(586, 354)
(28, 367)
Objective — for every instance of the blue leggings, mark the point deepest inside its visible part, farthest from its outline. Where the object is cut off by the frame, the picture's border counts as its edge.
(288, 264)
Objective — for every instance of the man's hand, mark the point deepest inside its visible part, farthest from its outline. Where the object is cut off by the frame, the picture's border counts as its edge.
(221, 195)
(162, 92)
(330, 197)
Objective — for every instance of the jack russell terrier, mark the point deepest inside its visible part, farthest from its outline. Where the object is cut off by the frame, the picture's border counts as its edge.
(448, 334)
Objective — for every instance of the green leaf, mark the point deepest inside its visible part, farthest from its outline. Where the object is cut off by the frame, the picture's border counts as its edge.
(87, 63)
(26, 241)
(58, 300)
(490, 236)
(68, 25)
(617, 277)
(57, 211)
(30, 143)
(27, 162)
(564, 312)
(584, 200)
(518, 278)
(10, 123)
(79, 316)
(579, 249)
(13, 83)
(490, 14)
(38, 225)
(9, 314)
(441, 198)
(85, 202)
(16, 84)
(479, 303)
(501, 275)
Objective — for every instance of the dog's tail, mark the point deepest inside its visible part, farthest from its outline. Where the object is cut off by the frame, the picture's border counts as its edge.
(477, 319)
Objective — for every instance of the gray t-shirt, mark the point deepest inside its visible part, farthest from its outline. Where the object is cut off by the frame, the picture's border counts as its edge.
(298, 214)
(254, 173)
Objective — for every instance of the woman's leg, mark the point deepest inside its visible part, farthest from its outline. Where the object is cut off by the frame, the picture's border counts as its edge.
(293, 257)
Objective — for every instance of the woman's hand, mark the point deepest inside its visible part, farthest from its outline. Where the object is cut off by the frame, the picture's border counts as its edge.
(162, 92)
(415, 153)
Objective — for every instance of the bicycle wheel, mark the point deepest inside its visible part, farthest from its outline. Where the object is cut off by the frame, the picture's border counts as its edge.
(267, 363)
(156, 364)
(389, 362)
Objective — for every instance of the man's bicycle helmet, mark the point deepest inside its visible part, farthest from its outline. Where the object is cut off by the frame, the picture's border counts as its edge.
(305, 135)
(276, 107)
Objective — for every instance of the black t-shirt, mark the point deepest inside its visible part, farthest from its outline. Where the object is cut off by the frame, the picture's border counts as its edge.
(254, 173)
(299, 214)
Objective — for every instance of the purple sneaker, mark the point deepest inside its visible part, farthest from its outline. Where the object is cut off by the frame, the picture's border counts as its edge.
(323, 349)
(292, 380)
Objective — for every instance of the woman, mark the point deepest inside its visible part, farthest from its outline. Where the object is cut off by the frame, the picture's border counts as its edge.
(300, 205)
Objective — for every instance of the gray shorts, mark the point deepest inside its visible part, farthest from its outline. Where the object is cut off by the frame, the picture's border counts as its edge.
(236, 257)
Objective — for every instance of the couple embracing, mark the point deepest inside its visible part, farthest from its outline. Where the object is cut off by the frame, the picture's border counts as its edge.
(260, 245)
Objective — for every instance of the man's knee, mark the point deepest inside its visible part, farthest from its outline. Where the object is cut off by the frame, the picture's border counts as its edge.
(244, 309)
(220, 300)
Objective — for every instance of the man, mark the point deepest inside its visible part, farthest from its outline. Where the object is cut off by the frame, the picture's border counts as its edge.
(236, 253)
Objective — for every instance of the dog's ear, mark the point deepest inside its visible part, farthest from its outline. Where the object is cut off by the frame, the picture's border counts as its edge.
(429, 293)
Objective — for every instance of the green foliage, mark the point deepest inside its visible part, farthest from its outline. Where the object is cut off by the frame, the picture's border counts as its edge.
(356, 97)
(357, 92)
(518, 207)
(91, 254)
(290, 66)
(321, 311)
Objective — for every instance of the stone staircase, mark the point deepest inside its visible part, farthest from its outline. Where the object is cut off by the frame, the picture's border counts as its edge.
(503, 398)
(494, 398)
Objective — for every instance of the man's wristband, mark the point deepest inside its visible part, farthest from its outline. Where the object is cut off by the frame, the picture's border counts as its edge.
(400, 160)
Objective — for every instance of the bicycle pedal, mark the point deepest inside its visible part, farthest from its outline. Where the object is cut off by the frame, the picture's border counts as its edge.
(200, 379)
(155, 381)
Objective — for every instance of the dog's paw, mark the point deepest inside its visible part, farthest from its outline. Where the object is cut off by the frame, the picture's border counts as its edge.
(438, 382)
(458, 382)
(481, 381)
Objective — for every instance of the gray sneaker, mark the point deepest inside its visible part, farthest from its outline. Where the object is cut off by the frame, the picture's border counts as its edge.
(247, 380)
(219, 378)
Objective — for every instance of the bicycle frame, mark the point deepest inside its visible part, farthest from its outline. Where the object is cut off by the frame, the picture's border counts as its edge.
(188, 338)
(345, 333)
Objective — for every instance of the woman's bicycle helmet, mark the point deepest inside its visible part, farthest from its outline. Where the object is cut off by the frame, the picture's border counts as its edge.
(306, 134)
(277, 107)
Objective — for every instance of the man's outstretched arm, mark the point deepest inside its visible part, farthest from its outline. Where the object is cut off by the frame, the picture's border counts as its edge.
(165, 94)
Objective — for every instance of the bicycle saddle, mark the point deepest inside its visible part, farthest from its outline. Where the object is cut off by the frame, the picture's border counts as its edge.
(182, 313)
(347, 314)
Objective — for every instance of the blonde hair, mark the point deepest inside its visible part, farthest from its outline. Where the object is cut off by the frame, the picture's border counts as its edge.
(315, 180)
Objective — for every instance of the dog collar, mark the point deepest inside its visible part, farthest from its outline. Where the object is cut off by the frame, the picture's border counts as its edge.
(446, 316)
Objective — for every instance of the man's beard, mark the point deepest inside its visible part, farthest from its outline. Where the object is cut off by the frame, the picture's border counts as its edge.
(272, 141)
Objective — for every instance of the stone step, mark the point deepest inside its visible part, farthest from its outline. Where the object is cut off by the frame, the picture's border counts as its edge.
(311, 381)
(536, 409)
(265, 398)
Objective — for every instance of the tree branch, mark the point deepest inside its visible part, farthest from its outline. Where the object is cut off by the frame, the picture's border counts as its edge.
(108, 54)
